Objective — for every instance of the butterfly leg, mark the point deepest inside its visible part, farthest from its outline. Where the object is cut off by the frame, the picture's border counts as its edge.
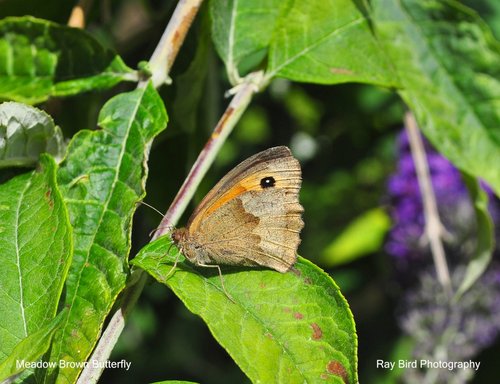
(221, 278)
(173, 266)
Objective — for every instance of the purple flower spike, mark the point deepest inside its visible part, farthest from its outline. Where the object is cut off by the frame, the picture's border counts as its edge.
(473, 322)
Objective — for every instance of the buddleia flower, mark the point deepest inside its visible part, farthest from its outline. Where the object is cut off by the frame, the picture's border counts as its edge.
(440, 328)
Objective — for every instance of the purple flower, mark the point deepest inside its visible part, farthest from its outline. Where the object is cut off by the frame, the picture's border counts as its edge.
(446, 330)
(405, 241)
(435, 323)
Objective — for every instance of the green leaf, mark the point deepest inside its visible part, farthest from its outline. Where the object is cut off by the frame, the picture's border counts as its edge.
(293, 327)
(39, 59)
(36, 251)
(244, 28)
(174, 382)
(101, 180)
(363, 235)
(449, 66)
(317, 41)
(30, 349)
(485, 237)
(25, 133)
(327, 42)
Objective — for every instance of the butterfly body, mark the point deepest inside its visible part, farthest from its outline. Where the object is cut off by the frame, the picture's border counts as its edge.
(252, 217)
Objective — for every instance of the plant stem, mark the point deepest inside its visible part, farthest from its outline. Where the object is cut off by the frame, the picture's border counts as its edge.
(77, 17)
(166, 51)
(114, 329)
(160, 63)
(244, 92)
(434, 229)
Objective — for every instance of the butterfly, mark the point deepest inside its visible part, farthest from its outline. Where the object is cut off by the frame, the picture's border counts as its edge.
(251, 217)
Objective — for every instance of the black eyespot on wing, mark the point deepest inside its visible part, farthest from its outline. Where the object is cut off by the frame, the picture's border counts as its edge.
(267, 182)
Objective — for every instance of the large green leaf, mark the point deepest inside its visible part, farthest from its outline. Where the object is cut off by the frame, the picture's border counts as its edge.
(449, 66)
(25, 133)
(39, 59)
(101, 181)
(244, 28)
(28, 351)
(35, 253)
(279, 328)
(327, 42)
(318, 41)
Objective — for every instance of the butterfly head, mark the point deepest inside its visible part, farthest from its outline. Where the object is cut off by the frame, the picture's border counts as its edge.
(187, 246)
(179, 236)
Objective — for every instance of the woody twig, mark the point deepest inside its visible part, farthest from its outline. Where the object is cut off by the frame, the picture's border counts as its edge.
(434, 228)
(160, 64)
(78, 14)
(245, 91)
(166, 51)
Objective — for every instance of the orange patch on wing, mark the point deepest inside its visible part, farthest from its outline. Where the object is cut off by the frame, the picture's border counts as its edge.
(250, 183)
(229, 195)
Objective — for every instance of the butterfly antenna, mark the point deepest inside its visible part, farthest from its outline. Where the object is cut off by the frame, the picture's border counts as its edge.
(168, 227)
(150, 206)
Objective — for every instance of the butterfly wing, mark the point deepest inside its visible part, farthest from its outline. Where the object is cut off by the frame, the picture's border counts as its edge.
(253, 215)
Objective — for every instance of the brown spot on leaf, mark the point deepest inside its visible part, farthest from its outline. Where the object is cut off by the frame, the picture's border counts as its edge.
(334, 367)
(341, 71)
(308, 281)
(317, 332)
(262, 285)
(298, 315)
(295, 271)
(48, 196)
(268, 335)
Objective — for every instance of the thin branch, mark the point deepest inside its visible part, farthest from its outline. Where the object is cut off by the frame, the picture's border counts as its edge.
(166, 51)
(77, 17)
(160, 65)
(434, 229)
(107, 341)
(244, 92)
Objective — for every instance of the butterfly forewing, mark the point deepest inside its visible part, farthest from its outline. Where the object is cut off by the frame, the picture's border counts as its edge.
(253, 215)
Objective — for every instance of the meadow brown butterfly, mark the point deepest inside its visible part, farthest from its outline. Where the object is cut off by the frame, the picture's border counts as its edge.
(251, 217)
